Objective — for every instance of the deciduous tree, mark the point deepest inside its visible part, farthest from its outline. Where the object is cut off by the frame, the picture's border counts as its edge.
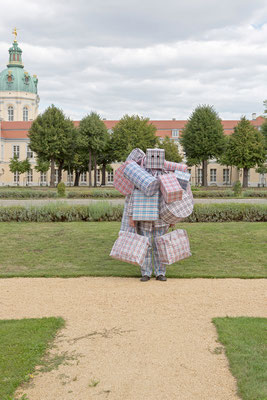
(202, 138)
(245, 148)
(51, 137)
(131, 132)
(171, 150)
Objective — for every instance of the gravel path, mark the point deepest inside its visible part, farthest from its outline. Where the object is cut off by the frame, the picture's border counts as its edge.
(128, 340)
(39, 202)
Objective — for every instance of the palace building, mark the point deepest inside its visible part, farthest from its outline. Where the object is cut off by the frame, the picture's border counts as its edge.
(19, 102)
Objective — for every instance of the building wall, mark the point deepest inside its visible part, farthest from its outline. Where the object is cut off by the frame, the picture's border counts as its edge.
(19, 100)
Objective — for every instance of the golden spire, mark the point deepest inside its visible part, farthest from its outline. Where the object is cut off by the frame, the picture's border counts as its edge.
(15, 33)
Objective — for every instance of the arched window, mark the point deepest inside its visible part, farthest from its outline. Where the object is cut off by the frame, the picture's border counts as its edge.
(25, 114)
(10, 112)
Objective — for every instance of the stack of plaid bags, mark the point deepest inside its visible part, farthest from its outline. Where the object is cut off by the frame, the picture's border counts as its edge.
(156, 191)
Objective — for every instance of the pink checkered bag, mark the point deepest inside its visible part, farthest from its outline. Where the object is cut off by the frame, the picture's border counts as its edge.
(130, 247)
(170, 188)
(121, 183)
(174, 212)
(173, 247)
(173, 166)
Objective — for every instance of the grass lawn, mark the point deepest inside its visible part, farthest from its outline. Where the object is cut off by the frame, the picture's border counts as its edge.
(245, 342)
(219, 250)
(22, 345)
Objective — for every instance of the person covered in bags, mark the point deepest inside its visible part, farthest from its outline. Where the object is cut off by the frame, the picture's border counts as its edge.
(149, 187)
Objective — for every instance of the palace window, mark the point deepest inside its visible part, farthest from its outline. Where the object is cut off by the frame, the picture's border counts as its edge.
(10, 112)
(199, 175)
(226, 175)
(16, 177)
(175, 133)
(70, 177)
(83, 177)
(29, 152)
(56, 175)
(110, 176)
(29, 176)
(98, 176)
(213, 173)
(43, 178)
(25, 114)
(15, 151)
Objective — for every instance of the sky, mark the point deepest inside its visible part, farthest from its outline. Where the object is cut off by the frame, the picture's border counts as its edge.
(157, 59)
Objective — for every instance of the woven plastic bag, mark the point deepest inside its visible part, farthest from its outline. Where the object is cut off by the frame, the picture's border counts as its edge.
(136, 155)
(170, 188)
(130, 247)
(155, 158)
(173, 166)
(145, 208)
(140, 178)
(121, 183)
(174, 212)
(173, 246)
(183, 178)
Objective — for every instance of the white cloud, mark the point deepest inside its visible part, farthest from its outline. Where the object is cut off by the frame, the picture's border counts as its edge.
(156, 59)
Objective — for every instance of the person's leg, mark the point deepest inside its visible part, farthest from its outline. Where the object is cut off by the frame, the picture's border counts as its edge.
(147, 267)
(159, 268)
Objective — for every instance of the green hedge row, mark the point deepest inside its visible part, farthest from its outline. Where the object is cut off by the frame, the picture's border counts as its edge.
(39, 194)
(104, 211)
(113, 193)
(26, 194)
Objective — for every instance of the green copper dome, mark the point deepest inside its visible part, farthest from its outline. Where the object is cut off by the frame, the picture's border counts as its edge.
(14, 78)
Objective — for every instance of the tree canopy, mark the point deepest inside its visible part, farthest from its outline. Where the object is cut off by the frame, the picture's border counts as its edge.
(171, 150)
(245, 148)
(202, 138)
(131, 132)
(51, 137)
(93, 139)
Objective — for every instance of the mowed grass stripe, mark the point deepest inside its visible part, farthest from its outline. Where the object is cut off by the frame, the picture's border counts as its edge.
(219, 250)
(23, 344)
(245, 342)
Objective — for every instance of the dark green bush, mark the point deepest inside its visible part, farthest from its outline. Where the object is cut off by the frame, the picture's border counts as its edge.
(254, 193)
(61, 189)
(213, 193)
(26, 194)
(237, 188)
(104, 211)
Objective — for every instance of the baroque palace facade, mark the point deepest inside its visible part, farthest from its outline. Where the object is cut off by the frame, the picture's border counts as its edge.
(19, 102)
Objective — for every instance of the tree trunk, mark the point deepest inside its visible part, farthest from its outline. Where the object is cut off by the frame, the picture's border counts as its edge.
(103, 175)
(95, 172)
(205, 173)
(77, 178)
(245, 177)
(52, 176)
(60, 167)
(90, 168)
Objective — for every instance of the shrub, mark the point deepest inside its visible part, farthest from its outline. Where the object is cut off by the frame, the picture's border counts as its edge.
(104, 211)
(26, 194)
(237, 188)
(61, 189)
(254, 193)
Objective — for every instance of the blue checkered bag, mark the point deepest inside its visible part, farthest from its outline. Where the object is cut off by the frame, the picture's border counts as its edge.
(144, 181)
(145, 208)
(183, 178)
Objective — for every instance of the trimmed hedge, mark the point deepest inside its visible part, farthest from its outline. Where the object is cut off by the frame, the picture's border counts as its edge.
(26, 194)
(113, 193)
(96, 193)
(104, 211)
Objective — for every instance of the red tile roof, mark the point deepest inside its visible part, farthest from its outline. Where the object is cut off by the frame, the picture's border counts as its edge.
(19, 129)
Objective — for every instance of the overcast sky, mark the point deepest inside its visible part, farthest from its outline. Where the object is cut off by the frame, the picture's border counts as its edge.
(158, 59)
